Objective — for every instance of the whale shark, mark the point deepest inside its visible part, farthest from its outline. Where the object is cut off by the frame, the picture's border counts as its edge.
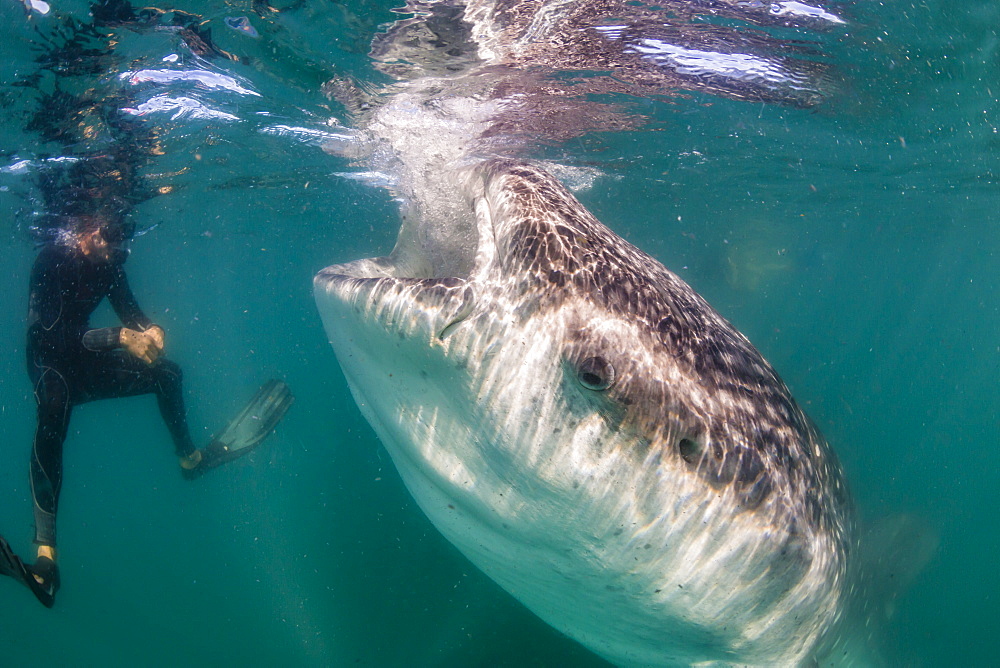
(596, 438)
(569, 413)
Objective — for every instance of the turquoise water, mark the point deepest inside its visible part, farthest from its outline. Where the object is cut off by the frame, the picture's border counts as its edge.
(855, 244)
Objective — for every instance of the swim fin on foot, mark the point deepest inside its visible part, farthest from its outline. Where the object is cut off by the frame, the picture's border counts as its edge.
(11, 564)
(247, 430)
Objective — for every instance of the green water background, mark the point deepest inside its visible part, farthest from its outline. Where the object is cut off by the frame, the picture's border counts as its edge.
(855, 245)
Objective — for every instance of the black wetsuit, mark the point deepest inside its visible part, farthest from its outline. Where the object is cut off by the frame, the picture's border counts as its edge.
(70, 364)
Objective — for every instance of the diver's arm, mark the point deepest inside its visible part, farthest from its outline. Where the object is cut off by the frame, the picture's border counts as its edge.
(140, 337)
(105, 338)
(128, 311)
(45, 291)
(45, 302)
(124, 302)
(146, 345)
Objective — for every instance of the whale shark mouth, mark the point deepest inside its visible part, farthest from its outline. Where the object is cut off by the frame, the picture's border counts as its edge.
(426, 282)
(374, 289)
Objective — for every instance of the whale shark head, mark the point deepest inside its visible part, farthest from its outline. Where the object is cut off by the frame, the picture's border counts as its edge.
(594, 436)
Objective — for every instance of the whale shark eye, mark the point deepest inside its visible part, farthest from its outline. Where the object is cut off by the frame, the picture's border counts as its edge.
(690, 450)
(596, 373)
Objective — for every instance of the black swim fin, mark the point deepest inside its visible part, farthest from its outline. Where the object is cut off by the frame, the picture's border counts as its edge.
(247, 430)
(11, 564)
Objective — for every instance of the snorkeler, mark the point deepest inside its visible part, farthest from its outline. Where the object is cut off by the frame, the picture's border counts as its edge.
(71, 364)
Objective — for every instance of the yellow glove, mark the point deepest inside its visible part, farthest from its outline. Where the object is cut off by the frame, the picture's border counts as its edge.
(147, 345)
(155, 332)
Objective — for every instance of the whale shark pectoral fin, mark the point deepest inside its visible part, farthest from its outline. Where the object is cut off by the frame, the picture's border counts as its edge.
(894, 551)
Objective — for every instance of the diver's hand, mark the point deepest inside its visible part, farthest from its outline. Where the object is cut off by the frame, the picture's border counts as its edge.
(155, 332)
(143, 345)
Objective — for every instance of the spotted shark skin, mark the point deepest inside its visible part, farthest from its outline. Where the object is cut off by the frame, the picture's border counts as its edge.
(596, 438)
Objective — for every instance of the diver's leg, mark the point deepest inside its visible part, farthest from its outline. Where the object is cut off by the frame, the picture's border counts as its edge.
(52, 393)
(55, 405)
(170, 398)
(118, 374)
